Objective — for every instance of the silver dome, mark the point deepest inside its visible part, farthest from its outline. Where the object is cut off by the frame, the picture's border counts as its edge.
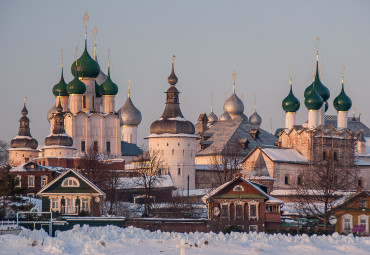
(212, 117)
(225, 116)
(101, 78)
(234, 106)
(255, 119)
(129, 114)
(52, 110)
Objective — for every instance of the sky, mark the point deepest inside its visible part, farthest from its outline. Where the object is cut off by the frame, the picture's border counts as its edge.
(259, 40)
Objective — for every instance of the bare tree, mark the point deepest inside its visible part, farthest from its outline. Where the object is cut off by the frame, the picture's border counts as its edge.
(8, 189)
(4, 153)
(319, 184)
(150, 167)
(226, 165)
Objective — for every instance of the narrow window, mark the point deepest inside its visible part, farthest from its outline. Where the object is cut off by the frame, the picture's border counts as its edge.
(362, 202)
(299, 180)
(239, 211)
(96, 146)
(179, 171)
(44, 181)
(31, 181)
(253, 211)
(83, 149)
(84, 101)
(324, 155)
(287, 179)
(108, 146)
(225, 211)
(335, 155)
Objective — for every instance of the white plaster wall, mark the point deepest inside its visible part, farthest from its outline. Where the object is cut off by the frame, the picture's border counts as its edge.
(290, 119)
(18, 157)
(313, 118)
(58, 152)
(129, 134)
(108, 104)
(63, 101)
(76, 103)
(342, 120)
(178, 152)
(89, 94)
(321, 120)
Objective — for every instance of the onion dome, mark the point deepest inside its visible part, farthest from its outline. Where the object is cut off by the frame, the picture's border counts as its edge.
(24, 138)
(172, 120)
(86, 66)
(108, 88)
(129, 114)
(101, 78)
(291, 103)
(50, 113)
(233, 105)
(212, 117)
(320, 88)
(255, 119)
(225, 116)
(76, 87)
(97, 90)
(60, 89)
(313, 100)
(326, 106)
(58, 136)
(342, 103)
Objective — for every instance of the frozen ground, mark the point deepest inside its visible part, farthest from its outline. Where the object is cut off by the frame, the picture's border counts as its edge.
(114, 240)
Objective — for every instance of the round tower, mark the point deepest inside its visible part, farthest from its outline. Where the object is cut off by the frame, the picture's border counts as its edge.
(23, 147)
(290, 105)
(342, 103)
(172, 138)
(58, 144)
(130, 118)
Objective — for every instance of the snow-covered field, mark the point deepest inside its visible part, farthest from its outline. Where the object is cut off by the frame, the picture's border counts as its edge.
(114, 240)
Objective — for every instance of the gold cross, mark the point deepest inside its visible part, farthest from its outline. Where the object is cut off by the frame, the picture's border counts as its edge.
(342, 74)
(85, 19)
(129, 86)
(76, 54)
(234, 75)
(61, 53)
(95, 31)
(25, 98)
(173, 57)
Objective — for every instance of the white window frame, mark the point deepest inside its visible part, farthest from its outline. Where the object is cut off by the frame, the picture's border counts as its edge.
(85, 204)
(253, 228)
(350, 218)
(242, 205)
(228, 211)
(19, 177)
(236, 188)
(55, 204)
(31, 177)
(257, 210)
(364, 217)
(66, 182)
(30, 195)
(46, 180)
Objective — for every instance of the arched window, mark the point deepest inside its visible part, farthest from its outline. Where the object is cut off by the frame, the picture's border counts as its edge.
(287, 179)
(324, 155)
(347, 223)
(70, 182)
(335, 155)
(238, 188)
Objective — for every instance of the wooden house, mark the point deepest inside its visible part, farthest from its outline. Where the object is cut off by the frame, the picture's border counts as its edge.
(72, 194)
(244, 204)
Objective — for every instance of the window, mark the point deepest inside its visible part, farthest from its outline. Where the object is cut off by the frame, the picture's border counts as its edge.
(44, 180)
(363, 220)
(300, 180)
(31, 181)
(95, 146)
(362, 202)
(225, 211)
(173, 152)
(85, 204)
(84, 101)
(335, 155)
(253, 211)
(324, 155)
(287, 179)
(238, 188)
(359, 182)
(30, 195)
(26, 160)
(108, 146)
(70, 182)
(19, 180)
(253, 228)
(239, 211)
(179, 171)
(83, 146)
(347, 223)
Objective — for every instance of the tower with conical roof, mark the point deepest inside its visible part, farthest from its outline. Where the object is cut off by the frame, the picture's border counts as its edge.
(58, 144)
(255, 118)
(130, 118)
(23, 147)
(233, 105)
(172, 137)
(321, 89)
(342, 103)
(290, 105)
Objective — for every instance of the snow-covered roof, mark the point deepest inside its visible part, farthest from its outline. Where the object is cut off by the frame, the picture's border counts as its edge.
(284, 155)
(362, 162)
(290, 192)
(35, 167)
(162, 181)
(192, 192)
(254, 185)
(171, 135)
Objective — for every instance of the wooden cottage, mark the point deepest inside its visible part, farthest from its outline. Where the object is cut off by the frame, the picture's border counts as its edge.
(244, 204)
(72, 194)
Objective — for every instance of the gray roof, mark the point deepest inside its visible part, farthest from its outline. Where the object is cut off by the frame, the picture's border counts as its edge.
(130, 149)
(230, 132)
(353, 124)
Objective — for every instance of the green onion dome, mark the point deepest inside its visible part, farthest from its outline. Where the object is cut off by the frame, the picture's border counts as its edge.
(76, 87)
(291, 103)
(108, 88)
(60, 89)
(313, 100)
(320, 88)
(97, 91)
(342, 103)
(86, 66)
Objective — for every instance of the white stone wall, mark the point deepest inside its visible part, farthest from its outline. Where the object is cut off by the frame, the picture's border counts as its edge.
(129, 134)
(58, 152)
(63, 101)
(19, 156)
(179, 158)
(313, 118)
(75, 103)
(342, 120)
(290, 119)
(89, 95)
(108, 104)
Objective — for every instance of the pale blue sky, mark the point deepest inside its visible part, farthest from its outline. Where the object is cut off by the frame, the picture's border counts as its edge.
(257, 39)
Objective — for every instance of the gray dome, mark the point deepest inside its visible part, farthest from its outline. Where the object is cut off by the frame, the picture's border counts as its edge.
(52, 110)
(255, 119)
(129, 114)
(212, 117)
(225, 116)
(101, 78)
(234, 106)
